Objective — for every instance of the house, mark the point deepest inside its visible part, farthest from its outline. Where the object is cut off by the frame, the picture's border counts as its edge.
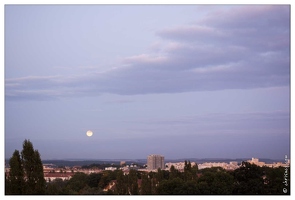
(57, 175)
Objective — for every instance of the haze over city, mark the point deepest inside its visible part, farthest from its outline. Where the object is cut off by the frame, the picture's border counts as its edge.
(183, 81)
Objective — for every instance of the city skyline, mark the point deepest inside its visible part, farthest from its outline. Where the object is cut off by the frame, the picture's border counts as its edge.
(199, 81)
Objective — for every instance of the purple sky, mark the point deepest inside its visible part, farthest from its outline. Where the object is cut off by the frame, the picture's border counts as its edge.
(178, 80)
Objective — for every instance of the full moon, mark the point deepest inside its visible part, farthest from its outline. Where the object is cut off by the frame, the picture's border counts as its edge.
(89, 133)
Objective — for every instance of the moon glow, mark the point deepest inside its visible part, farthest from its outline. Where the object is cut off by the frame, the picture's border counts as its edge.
(89, 133)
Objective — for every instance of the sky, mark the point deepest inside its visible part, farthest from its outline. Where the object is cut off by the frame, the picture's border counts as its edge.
(183, 81)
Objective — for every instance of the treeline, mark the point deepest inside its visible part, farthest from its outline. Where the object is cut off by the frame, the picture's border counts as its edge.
(103, 166)
(98, 166)
(26, 177)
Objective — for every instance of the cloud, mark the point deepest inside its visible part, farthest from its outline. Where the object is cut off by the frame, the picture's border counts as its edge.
(119, 101)
(227, 124)
(145, 58)
(237, 47)
(262, 27)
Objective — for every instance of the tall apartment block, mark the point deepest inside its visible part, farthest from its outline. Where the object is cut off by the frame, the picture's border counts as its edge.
(155, 162)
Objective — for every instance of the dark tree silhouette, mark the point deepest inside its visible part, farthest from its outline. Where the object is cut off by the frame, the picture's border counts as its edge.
(16, 175)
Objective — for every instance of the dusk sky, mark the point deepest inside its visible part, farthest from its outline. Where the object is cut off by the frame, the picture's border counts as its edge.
(183, 81)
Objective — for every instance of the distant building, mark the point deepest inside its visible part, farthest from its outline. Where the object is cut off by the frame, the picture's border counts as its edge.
(256, 162)
(179, 166)
(110, 168)
(57, 175)
(227, 166)
(155, 162)
(122, 163)
(233, 163)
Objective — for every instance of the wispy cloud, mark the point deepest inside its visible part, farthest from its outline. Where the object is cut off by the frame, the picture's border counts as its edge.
(119, 101)
(248, 123)
(237, 48)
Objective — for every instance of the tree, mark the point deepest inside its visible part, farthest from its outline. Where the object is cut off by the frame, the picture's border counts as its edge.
(162, 175)
(93, 179)
(154, 182)
(273, 180)
(190, 173)
(132, 182)
(91, 191)
(7, 184)
(106, 179)
(77, 182)
(16, 175)
(57, 187)
(187, 166)
(194, 171)
(248, 179)
(121, 186)
(174, 173)
(146, 185)
(26, 172)
(168, 187)
(215, 181)
(33, 170)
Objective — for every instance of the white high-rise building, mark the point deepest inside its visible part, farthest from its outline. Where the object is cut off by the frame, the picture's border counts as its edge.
(155, 162)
